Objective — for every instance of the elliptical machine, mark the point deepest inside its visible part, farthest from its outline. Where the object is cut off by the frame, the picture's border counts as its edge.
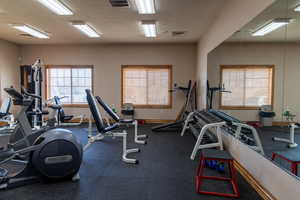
(54, 155)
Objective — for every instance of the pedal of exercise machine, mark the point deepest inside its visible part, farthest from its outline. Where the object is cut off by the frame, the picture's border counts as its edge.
(3, 172)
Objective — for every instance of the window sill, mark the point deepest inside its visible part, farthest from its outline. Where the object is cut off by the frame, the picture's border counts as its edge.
(239, 108)
(152, 106)
(76, 105)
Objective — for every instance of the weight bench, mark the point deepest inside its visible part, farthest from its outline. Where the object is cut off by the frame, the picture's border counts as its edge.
(104, 131)
(120, 121)
(205, 131)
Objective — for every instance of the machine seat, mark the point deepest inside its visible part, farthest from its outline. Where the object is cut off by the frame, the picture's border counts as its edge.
(44, 112)
(61, 113)
(126, 121)
(67, 118)
(110, 128)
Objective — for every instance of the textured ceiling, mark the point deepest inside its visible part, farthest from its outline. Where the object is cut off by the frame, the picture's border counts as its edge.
(280, 9)
(118, 25)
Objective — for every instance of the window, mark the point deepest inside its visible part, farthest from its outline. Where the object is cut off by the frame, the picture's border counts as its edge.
(147, 86)
(250, 86)
(69, 82)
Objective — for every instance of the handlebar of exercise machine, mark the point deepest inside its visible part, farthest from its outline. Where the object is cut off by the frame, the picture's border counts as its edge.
(29, 94)
(18, 98)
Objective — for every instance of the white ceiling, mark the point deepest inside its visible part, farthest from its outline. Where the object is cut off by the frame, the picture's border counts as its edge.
(279, 9)
(118, 25)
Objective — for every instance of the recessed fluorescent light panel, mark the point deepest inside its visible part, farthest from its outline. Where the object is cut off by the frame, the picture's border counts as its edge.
(297, 8)
(145, 6)
(149, 28)
(272, 26)
(30, 30)
(86, 29)
(57, 7)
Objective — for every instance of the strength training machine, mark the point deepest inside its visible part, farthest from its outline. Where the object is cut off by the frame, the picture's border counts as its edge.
(189, 106)
(210, 93)
(112, 114)
(31, 81)
(107, 131)
(62, 118)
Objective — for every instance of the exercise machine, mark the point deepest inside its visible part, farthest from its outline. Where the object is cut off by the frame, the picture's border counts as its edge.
(54, 155)
(5, 115)
(291, 140)
(210, 94)
(112, 114)
(31, 82)
(214, 123)
(189, 106)
(106, 131)
(5, 108)
(22, 134)
(62, 118)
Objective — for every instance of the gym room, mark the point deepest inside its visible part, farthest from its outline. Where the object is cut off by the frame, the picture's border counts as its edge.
(149, 99)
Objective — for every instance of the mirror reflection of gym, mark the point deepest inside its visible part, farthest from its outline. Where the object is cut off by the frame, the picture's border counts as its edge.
(253, 74)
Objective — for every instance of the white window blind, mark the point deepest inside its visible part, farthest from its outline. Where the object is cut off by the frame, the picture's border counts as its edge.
(69, 82)
(250, 86)
(146, 86)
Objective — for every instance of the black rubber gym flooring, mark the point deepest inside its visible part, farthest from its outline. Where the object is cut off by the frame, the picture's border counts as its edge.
(165, 172)
(266, 135)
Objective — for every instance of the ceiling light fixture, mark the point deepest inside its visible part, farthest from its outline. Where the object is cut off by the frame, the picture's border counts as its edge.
(149, 28)
(30, 30)
(57, 7)
(271, 26)
(145, 6)
(86, 29)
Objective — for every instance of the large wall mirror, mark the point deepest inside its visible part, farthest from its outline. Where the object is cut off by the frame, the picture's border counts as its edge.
(258, 71)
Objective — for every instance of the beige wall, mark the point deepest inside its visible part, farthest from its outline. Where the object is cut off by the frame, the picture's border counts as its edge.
(9, 66)
(107, 61)
(286, 72)
(234, 15)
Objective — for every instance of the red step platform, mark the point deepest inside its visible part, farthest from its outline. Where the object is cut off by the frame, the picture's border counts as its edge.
(291, 156)
(222, 156)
